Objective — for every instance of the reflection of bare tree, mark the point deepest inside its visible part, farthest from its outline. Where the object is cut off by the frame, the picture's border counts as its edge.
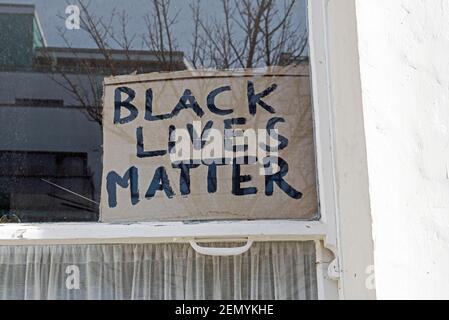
(160, 36)
(249, 34)
(85, 85)
(111, 37)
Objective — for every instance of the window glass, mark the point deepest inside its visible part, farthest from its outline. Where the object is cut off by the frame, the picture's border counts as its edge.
(55, 57)
(284, 270)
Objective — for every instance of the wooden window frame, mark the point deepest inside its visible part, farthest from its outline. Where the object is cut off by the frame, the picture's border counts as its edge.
(323, 232)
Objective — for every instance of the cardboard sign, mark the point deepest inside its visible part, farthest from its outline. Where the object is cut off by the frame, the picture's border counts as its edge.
(209, 145)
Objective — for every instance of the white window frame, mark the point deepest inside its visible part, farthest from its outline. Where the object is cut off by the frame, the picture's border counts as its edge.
(323, 231)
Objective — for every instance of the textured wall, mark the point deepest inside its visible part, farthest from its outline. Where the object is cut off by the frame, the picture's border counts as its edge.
(404, 61)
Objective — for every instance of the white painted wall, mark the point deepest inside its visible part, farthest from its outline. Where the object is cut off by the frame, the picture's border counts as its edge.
(404, 68)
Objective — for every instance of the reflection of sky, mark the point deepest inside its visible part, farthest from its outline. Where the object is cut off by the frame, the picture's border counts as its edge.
(48, 11)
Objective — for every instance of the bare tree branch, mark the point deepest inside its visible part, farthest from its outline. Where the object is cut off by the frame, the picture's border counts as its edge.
(248, 33)
(244, 34)
(160, 32)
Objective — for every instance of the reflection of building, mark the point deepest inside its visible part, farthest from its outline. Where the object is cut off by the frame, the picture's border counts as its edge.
(46, 134)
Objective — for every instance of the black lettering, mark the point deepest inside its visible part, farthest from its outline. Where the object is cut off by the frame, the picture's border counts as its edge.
(278, 178)
(211, 101)
(188, 101)
(141, 153)
(237, 179)
(160, 182)
(131, 177)
(255, 99)
(184, 176)
(118, 104)
(149, 108)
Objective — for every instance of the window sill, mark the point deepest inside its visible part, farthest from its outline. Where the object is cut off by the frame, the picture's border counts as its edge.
(158, 232)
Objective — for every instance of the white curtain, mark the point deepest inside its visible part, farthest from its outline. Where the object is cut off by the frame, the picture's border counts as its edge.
(269, 270)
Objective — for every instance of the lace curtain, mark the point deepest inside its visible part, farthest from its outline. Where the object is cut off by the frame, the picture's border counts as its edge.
(269, 270)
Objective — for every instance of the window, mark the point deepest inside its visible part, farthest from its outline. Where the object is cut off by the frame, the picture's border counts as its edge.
(32, 186)
(40, 102)
(276, 270)
(193, 254)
